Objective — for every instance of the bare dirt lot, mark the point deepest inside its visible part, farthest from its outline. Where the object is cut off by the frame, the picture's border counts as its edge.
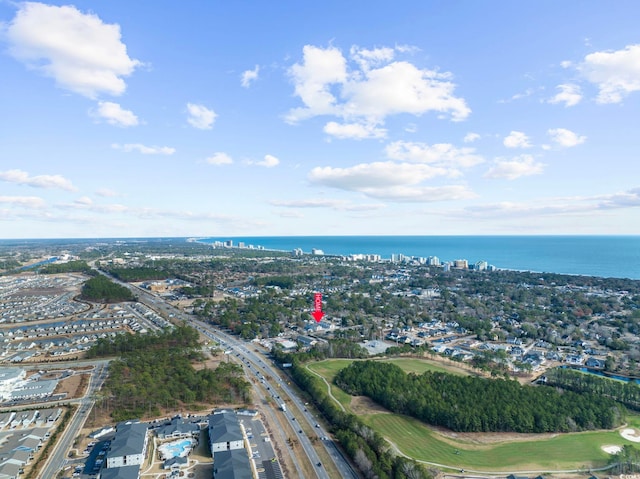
(73, 386)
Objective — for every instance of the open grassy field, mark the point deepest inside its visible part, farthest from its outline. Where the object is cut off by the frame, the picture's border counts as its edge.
(477, 451)
(329, 368)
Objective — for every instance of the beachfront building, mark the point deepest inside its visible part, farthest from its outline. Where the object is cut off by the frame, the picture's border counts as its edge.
(433, 261)
(461, 264)
(481, 266)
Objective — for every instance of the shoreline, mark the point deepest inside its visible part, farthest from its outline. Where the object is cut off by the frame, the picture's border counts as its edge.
(606, 257)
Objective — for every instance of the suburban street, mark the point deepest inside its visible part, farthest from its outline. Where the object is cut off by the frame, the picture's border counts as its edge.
(57, 460)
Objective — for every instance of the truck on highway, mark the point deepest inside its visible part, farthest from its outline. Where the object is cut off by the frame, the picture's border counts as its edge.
(283, 407)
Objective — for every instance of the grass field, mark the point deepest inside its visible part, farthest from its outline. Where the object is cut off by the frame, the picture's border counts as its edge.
(477, 451)
(329, 368)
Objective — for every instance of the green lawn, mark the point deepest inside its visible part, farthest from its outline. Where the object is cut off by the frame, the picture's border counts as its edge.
(418, 366)
(561, 452)
(328, 370)
(415, 439)
(330, 367)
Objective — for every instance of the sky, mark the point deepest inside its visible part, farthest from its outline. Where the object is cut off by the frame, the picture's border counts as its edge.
(254, 118)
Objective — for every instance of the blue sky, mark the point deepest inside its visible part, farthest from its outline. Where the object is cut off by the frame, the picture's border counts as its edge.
(249, 118)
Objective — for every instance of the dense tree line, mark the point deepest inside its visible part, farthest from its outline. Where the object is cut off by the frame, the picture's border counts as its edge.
(154, 371)
(138, 273)
(628, 393)
(181, 337)
(472, 404)
(102, 289)
(196, 291)
(369, 450)
(284, 282)
(78, 266)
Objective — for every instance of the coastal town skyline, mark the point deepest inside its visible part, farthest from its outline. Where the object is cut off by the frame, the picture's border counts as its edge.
(243, 119)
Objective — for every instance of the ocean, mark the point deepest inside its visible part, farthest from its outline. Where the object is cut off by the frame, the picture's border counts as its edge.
(603, 256)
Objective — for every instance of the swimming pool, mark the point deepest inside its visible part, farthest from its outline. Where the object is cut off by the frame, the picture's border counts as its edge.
(180, 448)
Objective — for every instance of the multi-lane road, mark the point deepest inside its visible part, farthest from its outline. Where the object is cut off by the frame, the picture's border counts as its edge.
(281, 393)
(272, 381)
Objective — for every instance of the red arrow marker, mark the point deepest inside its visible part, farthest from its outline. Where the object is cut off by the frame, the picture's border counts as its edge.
(317, 307)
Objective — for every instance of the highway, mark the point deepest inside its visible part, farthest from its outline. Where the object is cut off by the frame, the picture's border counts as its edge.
(281, 392)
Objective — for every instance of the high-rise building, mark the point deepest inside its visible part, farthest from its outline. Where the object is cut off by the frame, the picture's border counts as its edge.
(433, 261)
(460, 264)
(481, 266)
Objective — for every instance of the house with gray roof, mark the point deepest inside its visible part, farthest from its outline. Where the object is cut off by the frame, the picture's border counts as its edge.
(10, 470)
(123, 472)
(175, 463)
(224, 432)
(35, 389)
(129, 445)
(232, 464)
(177, 428)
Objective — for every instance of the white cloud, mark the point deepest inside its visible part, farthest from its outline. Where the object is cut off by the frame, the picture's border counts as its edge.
(625, 199)
(249, 76)
(524, 165)
(320, 69)
(339, 205)
(440, 154)
(615, 73)
(107, 193)
(24, 201)
(517, 139)
(582, 205)
(219, 158)
(401, 87)
(471, 137)
(566, 138)
(373, 88)
(569, 94)
(114, 114)
(200, 116)
(145, 150)
(371, 58)
(40, 181)
(421, 194)
(87, 204)
(401, 179)
(518, 96)
(366, 176)
(290, 214)
(355, 131)
(398, 182)
(84, 201)
(269, 161)
(80, 52)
